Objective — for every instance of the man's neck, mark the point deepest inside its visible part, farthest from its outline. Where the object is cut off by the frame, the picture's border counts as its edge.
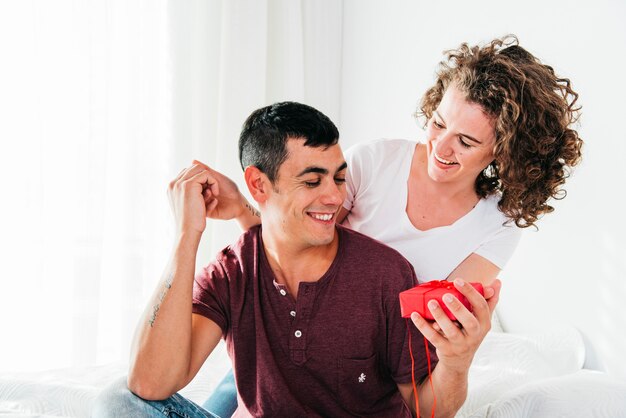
(292, 265)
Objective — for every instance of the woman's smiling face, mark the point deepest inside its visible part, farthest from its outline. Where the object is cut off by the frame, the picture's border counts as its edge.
(460, 139)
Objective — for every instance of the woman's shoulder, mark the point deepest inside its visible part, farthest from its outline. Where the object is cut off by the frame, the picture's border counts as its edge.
(491, 211)
(380, 150)
(382, 145)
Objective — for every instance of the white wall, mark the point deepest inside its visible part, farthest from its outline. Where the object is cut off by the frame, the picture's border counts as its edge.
(572, 270)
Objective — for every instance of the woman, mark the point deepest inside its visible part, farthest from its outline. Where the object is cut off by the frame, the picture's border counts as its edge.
(499, 145)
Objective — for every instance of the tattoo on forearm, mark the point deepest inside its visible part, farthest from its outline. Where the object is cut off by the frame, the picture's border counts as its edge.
(253, 210)
(155, 308)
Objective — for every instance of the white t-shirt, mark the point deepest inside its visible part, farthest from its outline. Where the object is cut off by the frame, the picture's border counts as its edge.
(376, 181)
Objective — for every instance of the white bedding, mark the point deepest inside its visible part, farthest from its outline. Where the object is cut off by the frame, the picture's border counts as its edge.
(71, 392)
(539, 376)
(512, 376)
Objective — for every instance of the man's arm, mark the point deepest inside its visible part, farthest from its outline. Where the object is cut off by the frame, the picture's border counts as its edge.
(455, 346)
(170, 343)
(450, 397)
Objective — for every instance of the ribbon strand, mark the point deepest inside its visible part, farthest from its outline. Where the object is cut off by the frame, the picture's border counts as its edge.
(430, 375)
(415, 395)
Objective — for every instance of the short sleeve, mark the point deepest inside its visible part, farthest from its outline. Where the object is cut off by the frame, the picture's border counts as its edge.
(355, 156)
(211, 295)
(500, 247)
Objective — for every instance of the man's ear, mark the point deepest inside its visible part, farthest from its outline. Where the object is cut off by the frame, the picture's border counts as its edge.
(258, 184)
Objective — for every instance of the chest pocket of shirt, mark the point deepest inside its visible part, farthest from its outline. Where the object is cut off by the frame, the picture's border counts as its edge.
(360, 385)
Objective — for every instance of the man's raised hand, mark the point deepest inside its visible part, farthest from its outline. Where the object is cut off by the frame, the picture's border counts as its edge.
(192, 194)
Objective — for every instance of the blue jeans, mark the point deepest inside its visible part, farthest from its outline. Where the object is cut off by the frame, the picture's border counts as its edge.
(223, 401)
(117, 401)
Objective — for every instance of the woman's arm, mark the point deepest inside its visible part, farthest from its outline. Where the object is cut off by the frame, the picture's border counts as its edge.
(475, 268)
(228, 202)
(343, 212)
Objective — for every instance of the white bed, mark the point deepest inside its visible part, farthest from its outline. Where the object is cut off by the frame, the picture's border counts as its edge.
(513, 375)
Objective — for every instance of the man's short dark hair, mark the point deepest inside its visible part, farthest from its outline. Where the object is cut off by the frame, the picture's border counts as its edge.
(264, 136)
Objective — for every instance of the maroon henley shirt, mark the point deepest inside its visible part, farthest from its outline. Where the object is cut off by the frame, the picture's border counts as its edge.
(337, 351)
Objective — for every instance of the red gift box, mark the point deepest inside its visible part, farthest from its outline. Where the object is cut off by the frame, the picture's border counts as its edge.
(416, 299)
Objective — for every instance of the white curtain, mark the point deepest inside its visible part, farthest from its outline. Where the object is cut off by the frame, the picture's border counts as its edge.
(101, 104)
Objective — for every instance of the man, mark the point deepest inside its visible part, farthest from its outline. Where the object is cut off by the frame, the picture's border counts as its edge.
(309, 310)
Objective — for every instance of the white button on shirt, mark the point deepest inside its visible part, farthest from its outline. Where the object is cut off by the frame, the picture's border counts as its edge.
(298, 334)
(292, 313)
(283, 292)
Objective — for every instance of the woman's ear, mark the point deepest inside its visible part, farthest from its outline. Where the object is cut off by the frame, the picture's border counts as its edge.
(258, 184)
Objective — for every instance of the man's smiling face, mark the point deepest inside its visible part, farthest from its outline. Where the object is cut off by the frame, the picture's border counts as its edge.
(307, 194)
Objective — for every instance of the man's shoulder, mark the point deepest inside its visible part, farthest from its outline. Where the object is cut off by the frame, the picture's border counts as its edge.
(374, 266)
(238, 253)
(246, 241)
(370, 249)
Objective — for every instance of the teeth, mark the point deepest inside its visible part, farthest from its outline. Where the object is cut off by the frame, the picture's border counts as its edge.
(442, 161)
(322, 217)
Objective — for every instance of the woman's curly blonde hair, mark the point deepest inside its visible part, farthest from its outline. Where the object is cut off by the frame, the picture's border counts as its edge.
(533, 110)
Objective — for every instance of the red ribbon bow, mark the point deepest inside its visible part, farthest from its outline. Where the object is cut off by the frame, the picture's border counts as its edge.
(439, 283)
